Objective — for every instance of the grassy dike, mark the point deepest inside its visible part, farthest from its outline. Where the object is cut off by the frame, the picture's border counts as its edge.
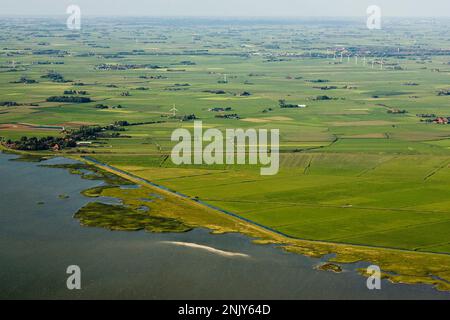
(169, 212)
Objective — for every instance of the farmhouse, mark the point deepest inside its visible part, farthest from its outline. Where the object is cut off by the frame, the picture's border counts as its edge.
(441, 120)
(228, 116)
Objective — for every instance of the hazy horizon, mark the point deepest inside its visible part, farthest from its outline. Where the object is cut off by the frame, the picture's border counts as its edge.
(229, 8)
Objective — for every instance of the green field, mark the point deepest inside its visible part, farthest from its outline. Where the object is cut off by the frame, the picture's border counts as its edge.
(352, 171)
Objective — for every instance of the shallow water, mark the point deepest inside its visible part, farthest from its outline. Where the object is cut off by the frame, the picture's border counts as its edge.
(39, 241)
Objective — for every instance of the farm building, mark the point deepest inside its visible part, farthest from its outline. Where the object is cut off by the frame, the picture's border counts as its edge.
(441, 120)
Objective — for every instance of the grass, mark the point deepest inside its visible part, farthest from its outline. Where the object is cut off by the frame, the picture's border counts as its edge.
(115, 217)
(330, 267)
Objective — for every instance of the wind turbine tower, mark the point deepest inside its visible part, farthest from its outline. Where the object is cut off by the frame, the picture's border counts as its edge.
(174, 111)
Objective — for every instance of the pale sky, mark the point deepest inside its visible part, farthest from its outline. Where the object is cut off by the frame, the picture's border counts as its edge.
(258, 8)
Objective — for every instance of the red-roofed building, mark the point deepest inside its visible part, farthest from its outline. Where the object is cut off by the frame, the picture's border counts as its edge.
(441, 120)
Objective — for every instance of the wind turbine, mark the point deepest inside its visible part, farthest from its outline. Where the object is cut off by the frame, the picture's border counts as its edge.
(174, 111)
(342, 56)
(356, 59)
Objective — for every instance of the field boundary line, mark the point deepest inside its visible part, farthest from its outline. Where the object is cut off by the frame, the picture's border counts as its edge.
(432, 173)
(364, 172)
(330, 206)
(409, 226)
